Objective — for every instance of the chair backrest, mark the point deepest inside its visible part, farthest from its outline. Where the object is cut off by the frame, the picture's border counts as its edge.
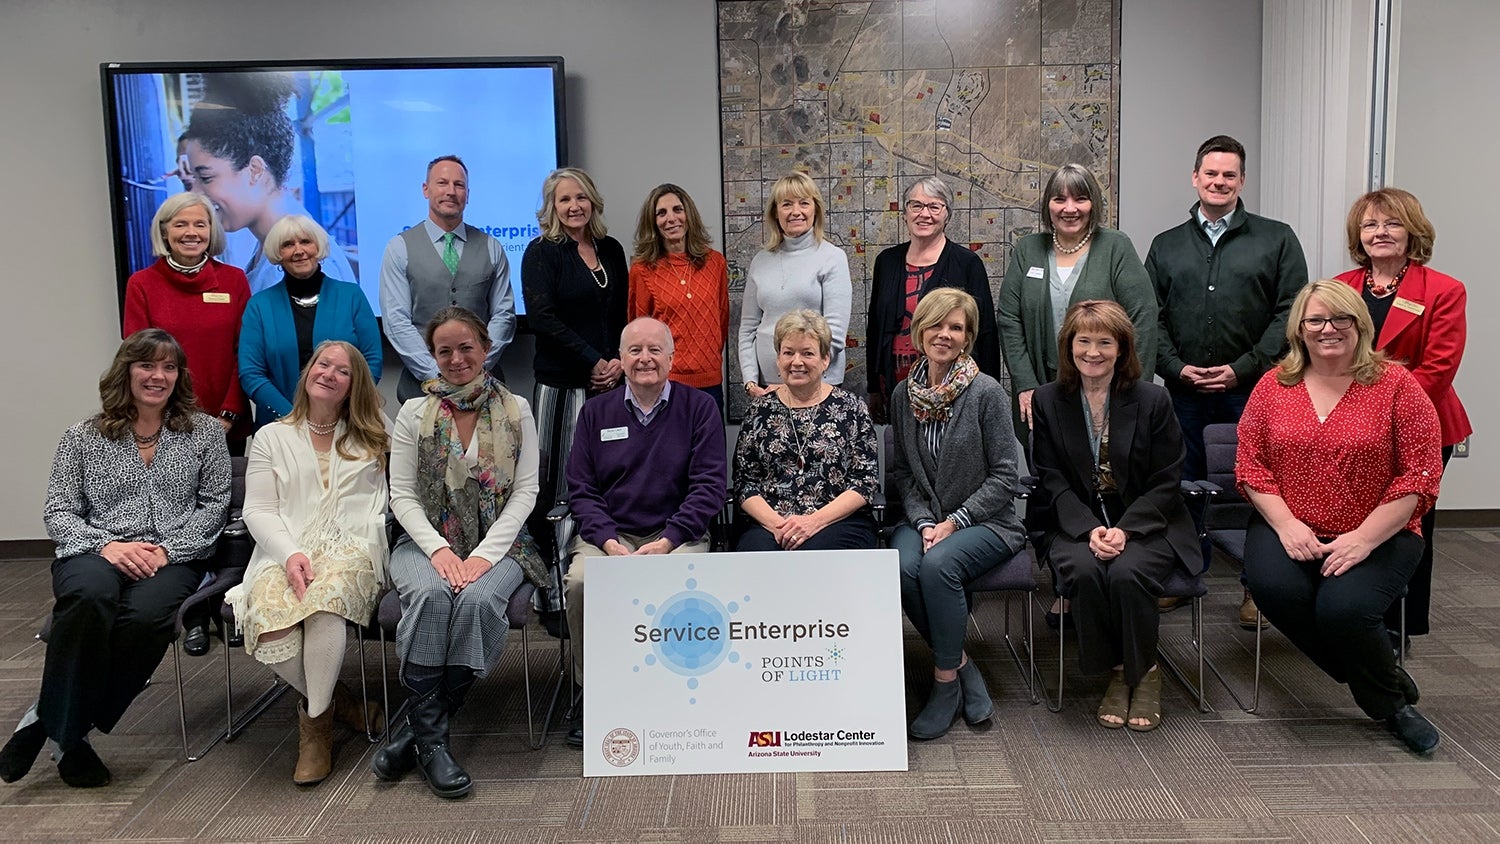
(1228, 510)
(238, 467)
(895, 513)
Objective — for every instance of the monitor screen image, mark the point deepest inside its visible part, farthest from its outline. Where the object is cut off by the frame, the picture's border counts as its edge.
(345, 142)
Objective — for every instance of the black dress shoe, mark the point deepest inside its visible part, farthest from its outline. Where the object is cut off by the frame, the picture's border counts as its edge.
(21, 751)
(81, 767)
(1414, 730)
(236, 639)
(195, 643)
(574, 737)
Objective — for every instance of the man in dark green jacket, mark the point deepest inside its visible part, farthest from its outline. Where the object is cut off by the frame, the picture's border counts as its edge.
(1225, 280)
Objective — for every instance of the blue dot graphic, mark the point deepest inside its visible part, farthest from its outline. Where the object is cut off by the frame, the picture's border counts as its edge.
(692, 682)
(692, 583)
(734, 656)
(747, 599)
(733, 607)
(691, 652)
(650, 659)
(692, 700)
(650, 609)
(636, 669)
(635, 602)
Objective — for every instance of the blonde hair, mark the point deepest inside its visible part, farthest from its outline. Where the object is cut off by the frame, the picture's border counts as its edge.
(804, 321)
(1369, 362)
(938, 304)
(793, 186)
(546, 216)
(176, 204)
(364, 424)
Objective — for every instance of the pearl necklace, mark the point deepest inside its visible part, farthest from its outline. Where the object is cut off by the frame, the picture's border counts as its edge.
(322, 430)
(1061, 250)
(602, 271)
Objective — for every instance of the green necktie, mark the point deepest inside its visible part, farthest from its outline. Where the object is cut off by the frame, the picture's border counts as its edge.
(450, 252)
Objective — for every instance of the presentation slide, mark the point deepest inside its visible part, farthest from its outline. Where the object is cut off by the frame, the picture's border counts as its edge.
(346, 146)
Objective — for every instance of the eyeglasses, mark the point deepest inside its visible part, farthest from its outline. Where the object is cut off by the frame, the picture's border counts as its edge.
(933, 208)
(1316, 323)
(1371, 227)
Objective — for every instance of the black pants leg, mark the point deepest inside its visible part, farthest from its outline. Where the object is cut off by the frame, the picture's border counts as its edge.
(1419, 591)
(1114, 603)
(108, 635)
(1339, 622)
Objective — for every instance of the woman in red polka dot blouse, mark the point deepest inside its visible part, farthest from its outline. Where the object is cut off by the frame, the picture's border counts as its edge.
(1339, 453)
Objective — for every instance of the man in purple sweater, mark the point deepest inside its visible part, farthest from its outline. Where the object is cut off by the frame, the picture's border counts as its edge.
(647, 472)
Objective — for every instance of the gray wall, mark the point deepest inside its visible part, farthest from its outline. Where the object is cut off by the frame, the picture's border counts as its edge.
(1189, 70)
(1442, 150)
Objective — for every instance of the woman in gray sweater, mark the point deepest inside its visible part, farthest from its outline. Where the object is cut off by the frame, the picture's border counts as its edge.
(954, 468)
(798, 268)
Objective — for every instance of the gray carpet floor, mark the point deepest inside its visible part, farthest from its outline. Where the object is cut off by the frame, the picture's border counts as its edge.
(1305, 767)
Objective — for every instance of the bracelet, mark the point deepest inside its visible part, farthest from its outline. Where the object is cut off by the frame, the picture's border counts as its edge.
(230, 415)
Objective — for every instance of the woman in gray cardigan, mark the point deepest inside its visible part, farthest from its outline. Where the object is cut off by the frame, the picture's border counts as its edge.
(1073, 259)
(954, 468)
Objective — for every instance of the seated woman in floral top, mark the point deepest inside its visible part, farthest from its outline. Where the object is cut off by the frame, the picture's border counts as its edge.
(805, 463)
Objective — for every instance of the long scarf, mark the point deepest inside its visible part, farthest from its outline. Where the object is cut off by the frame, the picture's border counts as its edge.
(459, 505)
(934, 403)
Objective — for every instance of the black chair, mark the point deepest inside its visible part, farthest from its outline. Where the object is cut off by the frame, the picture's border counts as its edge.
(1226, 517)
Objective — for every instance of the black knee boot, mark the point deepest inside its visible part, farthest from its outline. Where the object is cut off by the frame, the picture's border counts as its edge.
(399, 755)
(457, 680)
(429, 726)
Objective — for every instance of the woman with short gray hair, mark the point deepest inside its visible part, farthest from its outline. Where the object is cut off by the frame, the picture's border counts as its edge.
(908, 271)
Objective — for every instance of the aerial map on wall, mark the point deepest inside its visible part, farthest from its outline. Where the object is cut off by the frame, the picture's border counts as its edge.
(991, 95)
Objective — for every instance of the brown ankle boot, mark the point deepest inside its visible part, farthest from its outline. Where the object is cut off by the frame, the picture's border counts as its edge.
(314, 746)
(350, 711)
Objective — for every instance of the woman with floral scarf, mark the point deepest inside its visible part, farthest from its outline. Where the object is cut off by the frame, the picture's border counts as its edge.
(955, 468)
(463, 481)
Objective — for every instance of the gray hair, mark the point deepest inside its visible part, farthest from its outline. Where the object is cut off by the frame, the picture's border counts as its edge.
(292, 226)
(176, 204)
(666, 331)
(932, 186)
(1077, 181)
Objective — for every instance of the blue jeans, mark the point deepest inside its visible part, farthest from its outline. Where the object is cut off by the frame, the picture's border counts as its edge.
(932, 584)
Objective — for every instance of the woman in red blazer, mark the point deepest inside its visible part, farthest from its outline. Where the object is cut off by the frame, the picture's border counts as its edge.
(1419, 321)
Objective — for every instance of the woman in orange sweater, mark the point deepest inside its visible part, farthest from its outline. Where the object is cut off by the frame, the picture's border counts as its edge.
(678, 278)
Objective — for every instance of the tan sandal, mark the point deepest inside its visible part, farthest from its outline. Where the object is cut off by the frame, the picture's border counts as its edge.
(1116, 702)
(1145, 703)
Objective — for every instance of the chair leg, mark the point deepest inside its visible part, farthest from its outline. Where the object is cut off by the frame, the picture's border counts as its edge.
(1062, 639)
(532, 738)
(232, 726)
(1029, 668)
(1401, 645)
(1255, 695)
(364, 683)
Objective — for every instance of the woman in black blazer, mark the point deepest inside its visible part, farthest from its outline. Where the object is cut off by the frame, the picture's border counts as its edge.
(1108, 454)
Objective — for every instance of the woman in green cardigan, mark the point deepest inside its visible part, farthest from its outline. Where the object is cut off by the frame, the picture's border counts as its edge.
(1072, 259)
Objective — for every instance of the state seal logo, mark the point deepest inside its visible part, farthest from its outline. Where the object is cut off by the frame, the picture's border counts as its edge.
(621, 747)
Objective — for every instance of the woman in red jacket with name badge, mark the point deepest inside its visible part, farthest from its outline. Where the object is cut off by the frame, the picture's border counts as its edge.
(1419, 320)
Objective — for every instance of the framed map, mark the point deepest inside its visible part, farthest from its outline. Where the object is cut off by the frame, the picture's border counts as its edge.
(867, 97)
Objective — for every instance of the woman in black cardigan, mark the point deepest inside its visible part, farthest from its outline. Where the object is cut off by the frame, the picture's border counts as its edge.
(574, 280)
(908, 271)
(1108, 454)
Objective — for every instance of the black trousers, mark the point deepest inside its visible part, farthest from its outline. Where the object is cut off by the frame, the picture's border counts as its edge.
(108, 635)
(1419, 591)
(1114, 602)
(1339, 622)
(851, 532)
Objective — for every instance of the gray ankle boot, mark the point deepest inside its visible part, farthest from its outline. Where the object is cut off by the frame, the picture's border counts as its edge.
(977, 704)
(937, 716)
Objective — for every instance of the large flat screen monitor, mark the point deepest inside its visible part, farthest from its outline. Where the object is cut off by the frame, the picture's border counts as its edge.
(345, 142)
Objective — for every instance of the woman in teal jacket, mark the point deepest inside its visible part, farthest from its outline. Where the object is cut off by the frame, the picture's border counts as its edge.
(286, 321)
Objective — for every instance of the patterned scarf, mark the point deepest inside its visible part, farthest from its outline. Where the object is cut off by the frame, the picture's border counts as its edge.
(462, 507)
(935, 404)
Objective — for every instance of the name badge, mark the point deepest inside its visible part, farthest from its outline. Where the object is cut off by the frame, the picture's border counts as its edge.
(216, 298)
(612, 434)
(1409, 306)
(1036, 272)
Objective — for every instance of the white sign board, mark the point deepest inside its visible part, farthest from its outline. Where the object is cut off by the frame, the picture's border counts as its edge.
(735, 663)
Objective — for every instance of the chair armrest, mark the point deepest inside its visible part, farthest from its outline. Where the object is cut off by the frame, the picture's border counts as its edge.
(1025, 486)
(558, 512)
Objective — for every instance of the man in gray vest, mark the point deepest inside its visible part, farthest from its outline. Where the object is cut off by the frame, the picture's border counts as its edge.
(441, 262)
